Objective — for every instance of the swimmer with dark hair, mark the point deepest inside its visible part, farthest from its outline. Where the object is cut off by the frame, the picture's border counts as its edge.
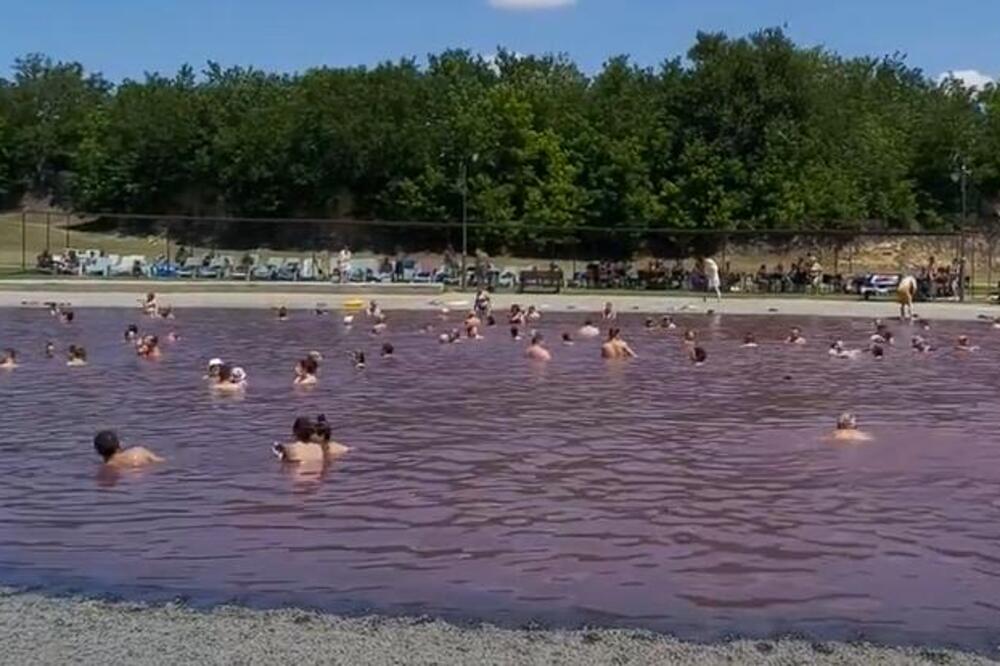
(66, 316)
(608, 313)
(515, 333)
(847, 430)
(567, 339)
(305, 372)
(149, 347)
(108, 446)
(8, 361)
(228, 380)
(878, 352)
(615, 347)
(588, 330)
(77, 356)
(905, 293)
(749, 341)
(50, 349)
(358, 359)
(387, 349)
(795, 336)
(149, 305)
(668, 322)
(699, 355)
(536, 351)
(282, 313)
(131, 332)
(533, 313)
(963, 344)
(311, 443)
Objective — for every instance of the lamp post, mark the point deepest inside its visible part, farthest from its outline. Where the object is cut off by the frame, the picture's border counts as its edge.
(465, 213)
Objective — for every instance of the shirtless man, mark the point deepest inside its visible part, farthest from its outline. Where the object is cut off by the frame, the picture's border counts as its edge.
(535, 350)
(110, 449)
(615, 347)
(847, 430)
(312, 443)
(588, 330)
(905, 293)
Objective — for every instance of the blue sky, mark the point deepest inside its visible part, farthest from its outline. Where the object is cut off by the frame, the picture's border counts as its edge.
(124, 38)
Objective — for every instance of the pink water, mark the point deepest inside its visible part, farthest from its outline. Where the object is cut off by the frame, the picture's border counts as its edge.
(697, 501)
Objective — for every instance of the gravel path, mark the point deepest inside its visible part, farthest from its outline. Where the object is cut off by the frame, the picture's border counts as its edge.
(39, 630)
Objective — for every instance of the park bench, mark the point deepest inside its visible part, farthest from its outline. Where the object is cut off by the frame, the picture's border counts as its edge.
(540, 281)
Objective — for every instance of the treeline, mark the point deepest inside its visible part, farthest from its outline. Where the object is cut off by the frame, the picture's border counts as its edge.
(742, 134)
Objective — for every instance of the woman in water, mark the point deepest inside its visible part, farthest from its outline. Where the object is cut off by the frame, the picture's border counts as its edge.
(847, 430)
(536, 351)
(9, 359)
(110, 449)
(311, 443)
(516, 316)
(212, 373)
(358, 359)
(149, 305)
(149, 347)
(131, 333)
(533, 314)
(963, 344)
(77, 357)
(305, 372)
(668, 322)
(228, 381)
(472, 324)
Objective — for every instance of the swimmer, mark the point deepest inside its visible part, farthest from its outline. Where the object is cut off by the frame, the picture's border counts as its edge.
(305, 372)
(149, 347)
(689, 337)
(567, 339)
(50, 349)
(214, 365)
(348, 320)
(698, 355)
(9, 359)
(749, 341)
(148, 305)
(837, 350)
(649, 323)
(387, 349)
(472, 324)
(131, 332)
(373, 311)
(795, 336)
(668, 322)
(166, 312)
(173, 337)
(536, 351)
(615, 347)
(319, 310)
(316, 356)
(921, 345)
(533, 314)
(608, 313)
(358, 359)
(878, 353)
(380, 324)
(516, 315)
(282, 313)
(483, 304)
(227, 381)
(905, 293)
(77, 357)
(515, 333)
(66, 316)
(962, 344)
(588, 330)
(847, 430)
(110, 449)
(311, 443)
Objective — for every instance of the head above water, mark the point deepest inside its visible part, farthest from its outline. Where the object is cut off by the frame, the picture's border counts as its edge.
(847, 421)
(566, 337)
(536, 339)
(321, 429)
(699, 355)
(387, 349)
(878, 352)
(303, 429)
(106, 444)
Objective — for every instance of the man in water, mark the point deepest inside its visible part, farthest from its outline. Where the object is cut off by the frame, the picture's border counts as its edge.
(588, 330)
(108, 446)
(535, 350)
(615, 347)
(847, 430)
(905, 293)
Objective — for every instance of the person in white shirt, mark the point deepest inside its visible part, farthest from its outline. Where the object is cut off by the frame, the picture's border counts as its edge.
(712, 279)
(344, 264)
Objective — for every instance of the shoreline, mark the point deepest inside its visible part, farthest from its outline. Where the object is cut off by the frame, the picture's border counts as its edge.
(96, 293)
(42, 629)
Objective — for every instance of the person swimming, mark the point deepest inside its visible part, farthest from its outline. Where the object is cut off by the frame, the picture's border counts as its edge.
(109, 447)
(166, 312)
(472, 324)
(749, 340)
(536, 351)
(387, 349)
(962, 344)
(847, 429)
(615, 347)
(66, 316)
(305, 371)
(567, 339)
(838, 350)
(608, 313)
(282, 313)
(919, 344)
(149, 305)
(9, 359)
(227, 380)
(378, 328)
(699, 355)
(311, 442)
(689, 337)
(131, 332)
(77, 356)
(50, 349)
(358, 359)
(212, 371)
(533, 314)
(516, 315)
(588, 330)
(795, 336)
(373, 310)
(878, 352)
(649, 324)
(905, 293)
(149, 347)
(668, 322)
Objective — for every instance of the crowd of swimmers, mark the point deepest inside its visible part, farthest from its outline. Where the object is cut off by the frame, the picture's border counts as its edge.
(312, 437)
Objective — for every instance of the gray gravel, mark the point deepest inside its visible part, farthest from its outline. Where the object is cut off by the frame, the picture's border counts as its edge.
(35, 629)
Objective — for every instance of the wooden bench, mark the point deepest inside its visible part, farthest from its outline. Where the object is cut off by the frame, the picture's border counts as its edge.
(540, 281)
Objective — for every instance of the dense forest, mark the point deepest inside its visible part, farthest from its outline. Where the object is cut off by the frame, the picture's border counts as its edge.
(745, 133)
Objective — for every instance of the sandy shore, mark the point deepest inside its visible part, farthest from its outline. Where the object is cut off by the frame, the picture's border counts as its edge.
(97, 293)
(39, 630)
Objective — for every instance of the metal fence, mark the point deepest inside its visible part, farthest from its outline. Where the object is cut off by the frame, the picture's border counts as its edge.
(952, 264)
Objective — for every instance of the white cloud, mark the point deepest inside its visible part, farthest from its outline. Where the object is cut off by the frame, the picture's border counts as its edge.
(528, 5)
(970, 78)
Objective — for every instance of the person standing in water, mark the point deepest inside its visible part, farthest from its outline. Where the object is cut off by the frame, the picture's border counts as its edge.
(110, 449)
(905, 293)
(537, 352)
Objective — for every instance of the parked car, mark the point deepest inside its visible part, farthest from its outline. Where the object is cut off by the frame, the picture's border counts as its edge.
(878, 284)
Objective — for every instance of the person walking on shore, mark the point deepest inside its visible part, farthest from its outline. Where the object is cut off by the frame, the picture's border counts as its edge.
(712, 281)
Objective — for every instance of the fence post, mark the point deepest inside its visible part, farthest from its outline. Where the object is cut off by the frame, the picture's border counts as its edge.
(48, 232)
(24, 241)
(66, 229)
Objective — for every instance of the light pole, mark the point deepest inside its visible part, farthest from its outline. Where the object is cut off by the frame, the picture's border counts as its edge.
(465, 213)
(961, 176)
